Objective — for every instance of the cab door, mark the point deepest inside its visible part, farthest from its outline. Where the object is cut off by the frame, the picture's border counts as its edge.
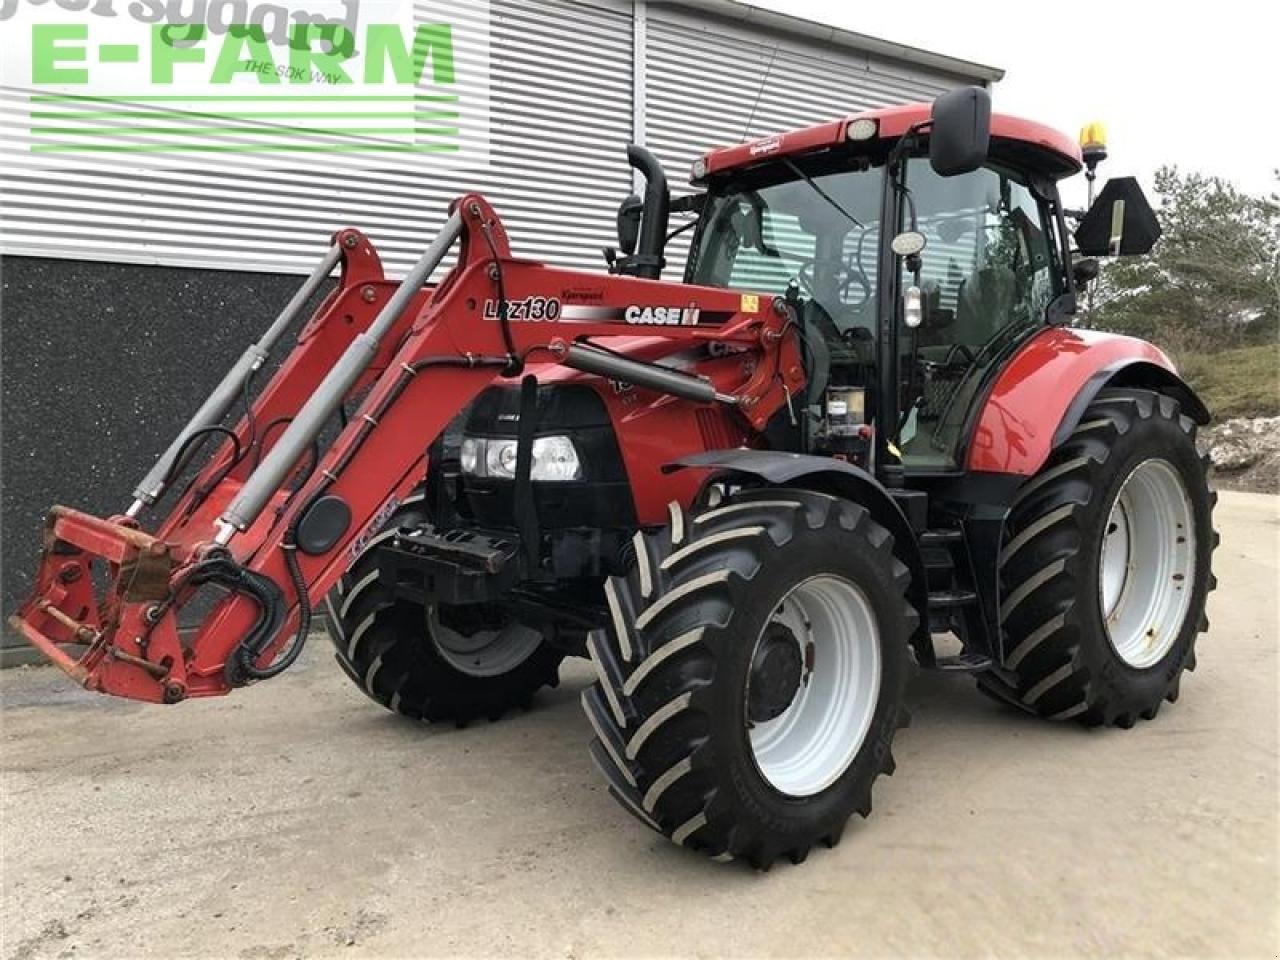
(989, 273)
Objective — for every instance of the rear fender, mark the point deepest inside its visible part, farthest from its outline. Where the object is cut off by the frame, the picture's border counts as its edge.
(837, 478)
(1045, 388)
(1132, 373)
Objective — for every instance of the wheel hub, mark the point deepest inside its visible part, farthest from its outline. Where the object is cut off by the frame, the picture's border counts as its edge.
(776, 671)
(480, 647)
(813, 685)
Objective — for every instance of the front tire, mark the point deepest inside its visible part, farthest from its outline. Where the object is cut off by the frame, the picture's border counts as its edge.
(751, 686)
(1106, 567)
(448, 664)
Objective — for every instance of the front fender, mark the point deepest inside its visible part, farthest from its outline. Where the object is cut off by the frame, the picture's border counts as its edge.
(1040, 396)
(840, 479)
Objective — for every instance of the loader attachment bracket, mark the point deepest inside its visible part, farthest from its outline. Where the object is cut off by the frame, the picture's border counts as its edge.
(117, 642)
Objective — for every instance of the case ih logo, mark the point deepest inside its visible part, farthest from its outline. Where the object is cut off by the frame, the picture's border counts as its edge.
(662, 316)
(771, 145)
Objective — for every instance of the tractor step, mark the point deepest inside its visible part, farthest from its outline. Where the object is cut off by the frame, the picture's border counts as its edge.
(963, 663)
(941, 537)
(941, 600)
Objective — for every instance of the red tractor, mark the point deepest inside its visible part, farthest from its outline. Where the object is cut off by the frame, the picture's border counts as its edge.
(752, 498)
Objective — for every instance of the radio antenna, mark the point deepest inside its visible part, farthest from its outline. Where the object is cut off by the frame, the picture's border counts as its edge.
(759, 93)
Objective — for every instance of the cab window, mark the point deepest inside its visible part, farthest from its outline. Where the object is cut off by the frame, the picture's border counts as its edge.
(988, 275)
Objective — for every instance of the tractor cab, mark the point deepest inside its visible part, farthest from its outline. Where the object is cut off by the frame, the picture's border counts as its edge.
(903, 324)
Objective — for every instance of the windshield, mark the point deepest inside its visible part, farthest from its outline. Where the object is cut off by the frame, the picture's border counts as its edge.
(810, 228)
(820, 233)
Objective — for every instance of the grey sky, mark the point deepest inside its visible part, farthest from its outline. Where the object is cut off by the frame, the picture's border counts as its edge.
(1193, 84)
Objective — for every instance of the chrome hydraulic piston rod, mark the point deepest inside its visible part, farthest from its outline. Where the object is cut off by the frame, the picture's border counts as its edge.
(216, 405)
(321, 405)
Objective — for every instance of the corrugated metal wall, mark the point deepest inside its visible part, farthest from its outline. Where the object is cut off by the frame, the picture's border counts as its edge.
(561, 95)
(560, 98)
(709, 85)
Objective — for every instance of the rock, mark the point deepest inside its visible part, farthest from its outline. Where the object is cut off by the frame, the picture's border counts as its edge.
(1242, 442)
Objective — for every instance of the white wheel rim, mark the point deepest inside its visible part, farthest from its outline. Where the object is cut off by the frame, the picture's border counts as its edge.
(813, 741)
(1146, 565)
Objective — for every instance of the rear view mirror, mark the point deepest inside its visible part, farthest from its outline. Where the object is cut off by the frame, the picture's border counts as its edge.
(629, 212)
(1085, 271)
(960, 136)
(1120, 223)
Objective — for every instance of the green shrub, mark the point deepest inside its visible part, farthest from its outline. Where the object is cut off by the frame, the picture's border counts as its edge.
(1242, 382)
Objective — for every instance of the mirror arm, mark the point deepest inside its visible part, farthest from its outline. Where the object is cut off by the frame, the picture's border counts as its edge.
(1064, 251)
(689, 203)
(909, 140)
(680, 229)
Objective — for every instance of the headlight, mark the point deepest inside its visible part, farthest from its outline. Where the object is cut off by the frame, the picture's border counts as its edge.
(470, 454)
(500, 458)
(864, 128)
(554, 459)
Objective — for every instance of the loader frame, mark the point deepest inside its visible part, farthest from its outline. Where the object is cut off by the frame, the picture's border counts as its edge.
(273, 531)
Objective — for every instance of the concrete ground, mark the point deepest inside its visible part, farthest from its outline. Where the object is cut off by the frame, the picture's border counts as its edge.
(297, 819)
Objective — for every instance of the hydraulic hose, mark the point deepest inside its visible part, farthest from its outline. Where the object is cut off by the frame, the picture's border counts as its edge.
(251, 648)
(216, 405)
(221, 569)
(262, 484)
(514, 362)
(197, 435)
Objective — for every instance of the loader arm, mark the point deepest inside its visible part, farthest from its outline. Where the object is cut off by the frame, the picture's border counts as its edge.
(273, 528)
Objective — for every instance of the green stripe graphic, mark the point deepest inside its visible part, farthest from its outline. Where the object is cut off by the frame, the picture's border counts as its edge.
(189, 114)
(257, 131)
(118, 53)
(244, 98)
(96, 110)
(247, 148)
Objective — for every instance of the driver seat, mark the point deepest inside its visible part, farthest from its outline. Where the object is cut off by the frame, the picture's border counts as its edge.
(984, 303)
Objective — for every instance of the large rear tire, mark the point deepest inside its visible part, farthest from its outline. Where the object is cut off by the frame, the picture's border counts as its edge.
(1106, 567)
(750, 688)
(452, 664)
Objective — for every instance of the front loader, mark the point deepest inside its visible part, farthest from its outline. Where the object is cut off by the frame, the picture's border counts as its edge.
(753, 499)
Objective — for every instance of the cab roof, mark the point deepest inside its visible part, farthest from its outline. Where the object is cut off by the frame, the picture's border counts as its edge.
(1055, 153)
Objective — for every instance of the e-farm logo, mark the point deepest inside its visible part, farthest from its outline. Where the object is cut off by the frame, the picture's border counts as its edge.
(198, 77)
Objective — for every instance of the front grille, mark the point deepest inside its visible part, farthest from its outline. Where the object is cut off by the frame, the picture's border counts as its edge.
(714, 429)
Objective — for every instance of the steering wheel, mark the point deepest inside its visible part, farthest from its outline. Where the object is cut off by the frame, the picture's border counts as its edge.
(856, 271)
(849, 273)
(818, 314)
(804, 276)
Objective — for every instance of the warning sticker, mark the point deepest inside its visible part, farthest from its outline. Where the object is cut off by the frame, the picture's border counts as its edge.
(750, 303)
